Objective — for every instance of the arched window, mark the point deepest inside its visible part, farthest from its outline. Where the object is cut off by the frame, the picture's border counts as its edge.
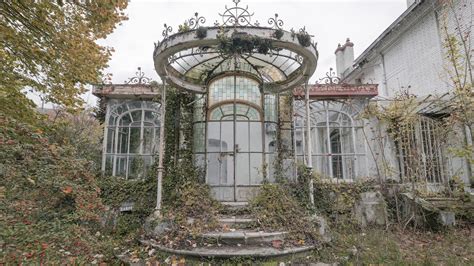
(242, 112)
(132, 138)
(223, 90)
(338, 145)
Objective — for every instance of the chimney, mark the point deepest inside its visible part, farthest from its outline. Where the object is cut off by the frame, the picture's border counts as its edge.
(339, 60)
(344, 57)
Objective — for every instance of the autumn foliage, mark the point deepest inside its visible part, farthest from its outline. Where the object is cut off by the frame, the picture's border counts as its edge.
(49, 200)
(49, 48)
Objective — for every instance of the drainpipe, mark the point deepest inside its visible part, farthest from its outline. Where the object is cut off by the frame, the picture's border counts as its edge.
(161, 152)
(384, 75)
(309, 158)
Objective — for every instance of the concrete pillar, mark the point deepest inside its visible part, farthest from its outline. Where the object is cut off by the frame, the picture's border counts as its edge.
(161, 152)
(309, 158)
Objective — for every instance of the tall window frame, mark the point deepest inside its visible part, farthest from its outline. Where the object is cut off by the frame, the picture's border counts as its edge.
(339, 150)
(131, 138)
(420, 151)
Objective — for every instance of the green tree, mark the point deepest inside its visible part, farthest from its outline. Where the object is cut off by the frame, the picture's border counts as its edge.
(49, 47)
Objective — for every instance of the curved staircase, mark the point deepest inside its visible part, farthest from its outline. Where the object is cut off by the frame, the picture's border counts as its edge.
(238, 236)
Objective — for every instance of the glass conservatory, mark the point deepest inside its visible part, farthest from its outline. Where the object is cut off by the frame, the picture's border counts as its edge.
(249, 122)
(240, 71)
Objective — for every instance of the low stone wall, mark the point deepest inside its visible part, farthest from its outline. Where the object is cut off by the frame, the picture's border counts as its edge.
(370, 209)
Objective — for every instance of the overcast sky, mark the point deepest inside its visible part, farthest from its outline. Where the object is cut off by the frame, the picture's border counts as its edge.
(330, 21)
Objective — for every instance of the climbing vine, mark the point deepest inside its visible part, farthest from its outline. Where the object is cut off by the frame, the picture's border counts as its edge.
(242, 43)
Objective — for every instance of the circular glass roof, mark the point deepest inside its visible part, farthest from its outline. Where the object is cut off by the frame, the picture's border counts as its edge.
(279, 59)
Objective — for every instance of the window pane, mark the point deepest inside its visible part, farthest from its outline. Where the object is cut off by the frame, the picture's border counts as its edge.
(152, 117)
(134, 140)
(121, 166)
(148, 140)
(110, 139)
(213, 137)
(242, 175)
(243, 137)
(255, 137)
(136, 167)
(256, 170)
(227, 136)
(123, 140)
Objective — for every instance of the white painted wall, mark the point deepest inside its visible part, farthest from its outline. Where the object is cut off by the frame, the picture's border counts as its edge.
(413, 58)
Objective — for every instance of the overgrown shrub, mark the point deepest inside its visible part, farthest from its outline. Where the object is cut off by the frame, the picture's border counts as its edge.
(336, 200)
(193, 212)
(141, 193)
(82, 131)
(201, 32)
(243, 43)
(49, 199)
(274, 208)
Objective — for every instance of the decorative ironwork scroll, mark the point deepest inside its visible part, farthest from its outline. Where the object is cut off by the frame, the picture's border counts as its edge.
(236, 16)
(275, 22)
(139, 78)
(338, 91)
(166, 31)
(195, 22)
(330, 78)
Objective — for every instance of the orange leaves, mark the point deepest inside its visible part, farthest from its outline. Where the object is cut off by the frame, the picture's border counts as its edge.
(67, 190)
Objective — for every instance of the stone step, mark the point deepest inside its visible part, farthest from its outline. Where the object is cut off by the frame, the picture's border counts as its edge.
(235, 208)
(244, 237)
(237, 222)
(254, 251)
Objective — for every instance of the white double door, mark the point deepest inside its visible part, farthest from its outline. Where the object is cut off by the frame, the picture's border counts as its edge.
(234, 158)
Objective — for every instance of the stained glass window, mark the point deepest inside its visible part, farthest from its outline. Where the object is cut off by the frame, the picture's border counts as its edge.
(226, 111)
(223, 90)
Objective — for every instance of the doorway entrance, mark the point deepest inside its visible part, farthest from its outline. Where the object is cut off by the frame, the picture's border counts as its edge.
(234, 140)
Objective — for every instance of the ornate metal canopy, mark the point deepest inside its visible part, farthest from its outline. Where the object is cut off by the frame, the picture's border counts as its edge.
(196, 54)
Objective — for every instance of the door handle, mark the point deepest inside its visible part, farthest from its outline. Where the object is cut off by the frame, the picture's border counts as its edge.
(224, 154)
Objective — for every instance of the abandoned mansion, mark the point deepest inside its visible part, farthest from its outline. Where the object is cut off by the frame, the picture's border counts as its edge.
(392, 114)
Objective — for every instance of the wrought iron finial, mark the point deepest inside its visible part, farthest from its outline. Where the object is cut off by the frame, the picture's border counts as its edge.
(303, 31)
(275, 22)
(330, 78)
(195, 22)
(236, 16)
(139, 78)
(167, 31)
